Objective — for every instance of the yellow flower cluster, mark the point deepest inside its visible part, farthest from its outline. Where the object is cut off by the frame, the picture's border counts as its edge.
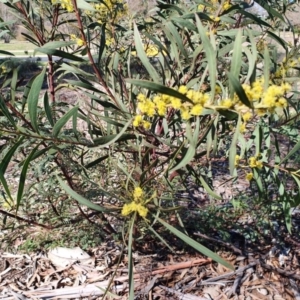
(150, 50)
(214, 4)
(112, 10)
(160, 104)
(65, 4)
(137, 205)
(249, 176)
(78, 41)
(215, 19)
(274, 97)
(3, 69)
(285, 66)
(262, 101)
(212, 8)
(139, 121)
(254, 162)
(226, 5)
(261, 45)
(109, 41)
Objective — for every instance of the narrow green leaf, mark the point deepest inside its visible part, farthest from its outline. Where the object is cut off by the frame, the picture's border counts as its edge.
(63, 120)
(109, 139)
(102, 42)
(8, 156)
(86, 85)
(232, 149)
(286, 205)
(108, 120)
(237, 87)
(57, 44)
(278, 39)
(142, 55)
(6, 188)
(27, 91)
(23, 177)
(33, 98)
(130, 258)
(7, 23)
(236, 61)
(259, 183)
(271, 11)
(210, 55)
(266, 68)
(196, 245)
(75, 70)
(172, 46)
(6, 112)
(156, 87)
(13, 85)
(188, 156)
(96, 161)
(160, 238)
(3, 32)
(200, 15)
(74, 122)
(258, 139)
(4, 163)
(177, 38)
(103, 103)
(59, 53)
(292, 152)
(83, 200)
(251, 55)
(48, 110)
(37, 154)
(6, 53)
(256, 19)
(209, 190)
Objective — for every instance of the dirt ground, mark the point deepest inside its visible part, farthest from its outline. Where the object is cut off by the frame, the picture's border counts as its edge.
(294, 16)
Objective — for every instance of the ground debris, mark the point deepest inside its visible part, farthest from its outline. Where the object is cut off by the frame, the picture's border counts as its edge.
(181, 276)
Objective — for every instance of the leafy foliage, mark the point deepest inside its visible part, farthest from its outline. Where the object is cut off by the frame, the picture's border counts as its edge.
(163, 97)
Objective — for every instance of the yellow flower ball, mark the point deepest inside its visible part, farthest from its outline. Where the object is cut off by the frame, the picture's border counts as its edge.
(249, 176)
(175, 103)
(138, 193)
(247, 116)
(146, 125)
(252, 162)
(196, 110)
(182, 89)
(137, 121)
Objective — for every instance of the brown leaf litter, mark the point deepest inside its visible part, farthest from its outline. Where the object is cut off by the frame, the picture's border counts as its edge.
(181, 276)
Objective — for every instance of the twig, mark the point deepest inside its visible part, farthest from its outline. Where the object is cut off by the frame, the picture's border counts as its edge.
(24, 220)
(290, 274)
(239, 270)
(181, 295)
(295, 289)
(237, 282)
(182, 265)
(91, 59)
